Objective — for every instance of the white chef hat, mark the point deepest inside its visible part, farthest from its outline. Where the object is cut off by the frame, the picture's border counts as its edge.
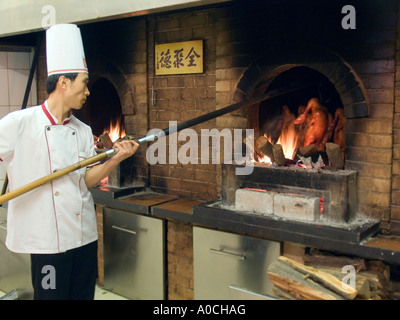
(64, 50)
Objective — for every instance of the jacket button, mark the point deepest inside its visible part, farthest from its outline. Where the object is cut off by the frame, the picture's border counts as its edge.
(48, 128)
(56, 193)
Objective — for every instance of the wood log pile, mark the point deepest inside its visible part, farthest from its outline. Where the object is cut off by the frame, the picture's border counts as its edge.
(323, 277)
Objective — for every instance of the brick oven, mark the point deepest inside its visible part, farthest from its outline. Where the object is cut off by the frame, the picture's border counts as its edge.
(335, 86)
(249, 50)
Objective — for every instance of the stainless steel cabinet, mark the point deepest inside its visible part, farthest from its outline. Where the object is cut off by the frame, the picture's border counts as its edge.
(231, 266)
(133, 255)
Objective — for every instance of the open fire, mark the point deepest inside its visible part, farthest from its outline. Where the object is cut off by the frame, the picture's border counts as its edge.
(116, 131)
(110, 135)
(106, 140)
(313, 138)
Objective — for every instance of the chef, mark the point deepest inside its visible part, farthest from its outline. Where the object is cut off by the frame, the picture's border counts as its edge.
(56, 223)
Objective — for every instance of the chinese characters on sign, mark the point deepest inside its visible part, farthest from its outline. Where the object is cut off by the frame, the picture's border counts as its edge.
(179, 57)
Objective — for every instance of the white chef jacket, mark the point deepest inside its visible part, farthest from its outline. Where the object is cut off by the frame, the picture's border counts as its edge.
(59, 215)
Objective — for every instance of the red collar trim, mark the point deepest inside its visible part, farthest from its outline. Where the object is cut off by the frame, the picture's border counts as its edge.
(50, 117)
(47, 113)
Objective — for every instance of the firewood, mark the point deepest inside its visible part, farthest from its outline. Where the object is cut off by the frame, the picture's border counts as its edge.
(308, 151)
(362, 283)
(379, 283)
(295, 280)
(296, 284)
(324, 278)
(278, 292)
(363, 288)
(335, 155)
(97, 142)
(279, 157)
(105, 140)
(265, 147)
(381, 268)
(395, 295)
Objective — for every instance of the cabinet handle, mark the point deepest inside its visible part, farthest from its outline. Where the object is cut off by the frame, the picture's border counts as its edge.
(230, 254)
(125, 230)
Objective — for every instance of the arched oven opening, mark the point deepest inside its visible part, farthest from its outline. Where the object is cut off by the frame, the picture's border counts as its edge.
(306, 126)
(303, 133)
(105, 110)
(104, 114)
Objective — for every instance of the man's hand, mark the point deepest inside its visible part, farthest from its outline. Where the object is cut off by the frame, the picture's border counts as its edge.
(126, 149)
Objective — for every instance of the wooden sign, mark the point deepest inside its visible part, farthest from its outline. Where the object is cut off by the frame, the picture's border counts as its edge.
(179, 57)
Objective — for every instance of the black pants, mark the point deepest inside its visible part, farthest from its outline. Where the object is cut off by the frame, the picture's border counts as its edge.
(70, 275)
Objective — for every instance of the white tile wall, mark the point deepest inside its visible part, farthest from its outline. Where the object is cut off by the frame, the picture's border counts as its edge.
(17, 79)
(4, 110)
(3, 60)
(14, 73)
(33, 99)
(18, 60)
(4, 100)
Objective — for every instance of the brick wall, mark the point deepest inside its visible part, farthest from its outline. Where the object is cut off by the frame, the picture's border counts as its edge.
(370, 140)
(394, 226)
(370, 50)
(180, 261)
(183, 97)
(180, 98)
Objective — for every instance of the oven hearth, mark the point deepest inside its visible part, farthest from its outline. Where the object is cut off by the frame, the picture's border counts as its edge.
(291, 204)
(309, 195)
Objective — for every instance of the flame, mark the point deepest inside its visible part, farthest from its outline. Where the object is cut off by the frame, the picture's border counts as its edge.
(116, 131)
(289, 142)
(288, 139)
(264, 159)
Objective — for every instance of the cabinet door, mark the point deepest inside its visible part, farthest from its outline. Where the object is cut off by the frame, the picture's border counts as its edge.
(225, 262)
(133, 255)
